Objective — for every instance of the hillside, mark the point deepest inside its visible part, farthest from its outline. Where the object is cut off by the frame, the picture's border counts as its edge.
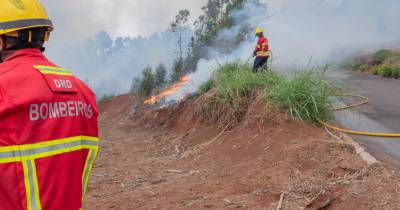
(172, 159)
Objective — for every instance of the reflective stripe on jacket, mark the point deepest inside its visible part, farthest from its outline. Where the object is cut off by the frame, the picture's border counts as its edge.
(262, 48)
(48, 134)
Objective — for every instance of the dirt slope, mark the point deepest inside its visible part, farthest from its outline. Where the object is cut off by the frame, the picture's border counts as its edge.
(171, 160)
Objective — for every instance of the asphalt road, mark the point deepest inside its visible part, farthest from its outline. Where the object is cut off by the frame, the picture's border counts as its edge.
(381, 115)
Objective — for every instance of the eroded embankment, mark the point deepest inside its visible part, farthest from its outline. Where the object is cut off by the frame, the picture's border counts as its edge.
(177, 159)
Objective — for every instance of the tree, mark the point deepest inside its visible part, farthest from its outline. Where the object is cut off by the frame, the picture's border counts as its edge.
(148, 82)
(216, 16)
(177, 69)
(178, 26)
(135, 85)
(119, 44)
(160, 76)
(103, 40)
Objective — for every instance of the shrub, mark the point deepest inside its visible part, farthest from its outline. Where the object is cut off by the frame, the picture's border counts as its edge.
(374, 70)
(364, 67)
(396, 72)
(381, 56)
(388, 70)
(384, 62)
(384, 70)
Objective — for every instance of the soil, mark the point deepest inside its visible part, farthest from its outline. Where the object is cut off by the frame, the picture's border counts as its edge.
(171, 159)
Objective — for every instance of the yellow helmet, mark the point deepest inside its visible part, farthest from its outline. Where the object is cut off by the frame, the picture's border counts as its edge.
(16, 15)
(259, 30)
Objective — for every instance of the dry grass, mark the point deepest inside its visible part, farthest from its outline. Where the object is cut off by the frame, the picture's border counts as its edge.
(209, 108)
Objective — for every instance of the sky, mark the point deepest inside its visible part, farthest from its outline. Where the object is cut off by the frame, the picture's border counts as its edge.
(310, 32)
(80, 19)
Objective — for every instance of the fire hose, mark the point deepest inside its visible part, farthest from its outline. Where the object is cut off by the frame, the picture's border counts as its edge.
(365, 100)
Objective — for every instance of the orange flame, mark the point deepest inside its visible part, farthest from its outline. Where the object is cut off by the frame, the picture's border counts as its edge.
(153, 99)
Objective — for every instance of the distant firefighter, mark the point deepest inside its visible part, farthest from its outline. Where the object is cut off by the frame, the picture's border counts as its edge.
(261, 51)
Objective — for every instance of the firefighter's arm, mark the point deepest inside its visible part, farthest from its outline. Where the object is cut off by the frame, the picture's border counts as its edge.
(258, 47)
(255, 50)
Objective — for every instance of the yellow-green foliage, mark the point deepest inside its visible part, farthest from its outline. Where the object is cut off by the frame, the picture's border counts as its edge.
(388, 70)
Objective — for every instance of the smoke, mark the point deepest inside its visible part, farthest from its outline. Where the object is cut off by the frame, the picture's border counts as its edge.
(323, 30)
(108, 43)
(299, 31)
(109, 65)
(331, 29)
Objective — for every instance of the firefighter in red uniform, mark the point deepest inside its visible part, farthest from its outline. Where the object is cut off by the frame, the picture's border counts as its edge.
(261, 52)
(48, 118)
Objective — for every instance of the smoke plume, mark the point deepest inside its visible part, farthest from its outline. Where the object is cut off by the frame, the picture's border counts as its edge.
(318, 30)
(108, 43)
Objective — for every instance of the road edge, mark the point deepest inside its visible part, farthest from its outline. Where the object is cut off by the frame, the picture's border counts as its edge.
(360, 150)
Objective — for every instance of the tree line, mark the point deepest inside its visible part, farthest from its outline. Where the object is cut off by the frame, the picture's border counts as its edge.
(217, 15)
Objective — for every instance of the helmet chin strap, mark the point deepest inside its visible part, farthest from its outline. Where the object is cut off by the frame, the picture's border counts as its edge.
(31, 38)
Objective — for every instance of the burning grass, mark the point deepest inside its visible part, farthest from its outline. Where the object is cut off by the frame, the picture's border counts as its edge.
(153, 99)
(305, 94)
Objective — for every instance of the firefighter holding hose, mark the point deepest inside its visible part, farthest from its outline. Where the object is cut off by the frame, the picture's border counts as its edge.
(48, 118)
(261, 52)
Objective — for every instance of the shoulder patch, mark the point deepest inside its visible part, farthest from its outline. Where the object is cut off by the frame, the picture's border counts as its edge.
(59, 80)
(53, 70)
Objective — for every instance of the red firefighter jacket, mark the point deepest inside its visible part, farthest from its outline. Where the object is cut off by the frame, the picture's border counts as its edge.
(262, 48)
(48, 134)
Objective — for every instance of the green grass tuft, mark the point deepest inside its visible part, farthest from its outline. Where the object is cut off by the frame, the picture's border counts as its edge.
(207, 86)
(305, 94)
